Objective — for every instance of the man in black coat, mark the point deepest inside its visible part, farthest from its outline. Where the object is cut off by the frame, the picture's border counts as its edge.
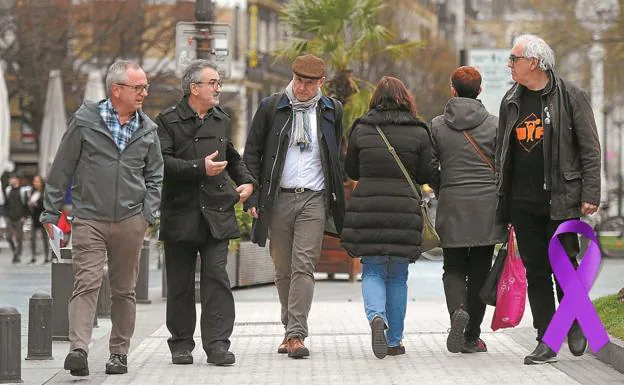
(293, 150)
(198, 214)
(548, 168)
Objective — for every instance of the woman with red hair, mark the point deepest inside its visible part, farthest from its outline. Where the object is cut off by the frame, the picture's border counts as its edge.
(383, 222)
(464, 140)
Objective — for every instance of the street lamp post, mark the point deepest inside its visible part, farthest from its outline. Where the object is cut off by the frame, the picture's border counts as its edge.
(597, 16)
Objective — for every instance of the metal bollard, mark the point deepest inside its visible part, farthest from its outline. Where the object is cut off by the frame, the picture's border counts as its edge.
(104, 299)
(142, 285)
(10, 346)
(62, 288)
(40, 327)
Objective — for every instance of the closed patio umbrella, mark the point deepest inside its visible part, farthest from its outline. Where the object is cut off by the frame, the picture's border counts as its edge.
(94, 90)
(54, 123)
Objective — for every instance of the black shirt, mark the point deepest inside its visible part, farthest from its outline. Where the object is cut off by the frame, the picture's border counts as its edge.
(527, 154)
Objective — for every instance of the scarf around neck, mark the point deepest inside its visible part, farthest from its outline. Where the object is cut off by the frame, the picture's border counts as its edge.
(300, 135)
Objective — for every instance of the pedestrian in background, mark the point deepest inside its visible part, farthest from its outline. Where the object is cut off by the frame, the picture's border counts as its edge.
(16, 212)
(464, 139)
(201, 168)
(35, 204)
(112, 150)
(293, 150)
(548, 168)
(383, 221)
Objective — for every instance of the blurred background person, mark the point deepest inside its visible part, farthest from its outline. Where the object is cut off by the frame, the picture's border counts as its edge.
(35, 204)
(16, 211)
(383, 220)
(464, 140)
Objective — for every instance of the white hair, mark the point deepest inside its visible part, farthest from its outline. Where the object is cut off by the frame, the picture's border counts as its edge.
(536, 48)
(117, 73)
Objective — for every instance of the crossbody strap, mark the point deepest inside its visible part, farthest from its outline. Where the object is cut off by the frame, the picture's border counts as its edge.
(483, 157)
(398, 161)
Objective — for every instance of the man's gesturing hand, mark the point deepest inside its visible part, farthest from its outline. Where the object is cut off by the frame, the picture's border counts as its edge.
(214, 168)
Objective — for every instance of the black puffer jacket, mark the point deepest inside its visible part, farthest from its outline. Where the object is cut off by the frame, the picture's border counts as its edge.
(383, 217)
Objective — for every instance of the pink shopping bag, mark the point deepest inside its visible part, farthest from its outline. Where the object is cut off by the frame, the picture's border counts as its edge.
(512, 287)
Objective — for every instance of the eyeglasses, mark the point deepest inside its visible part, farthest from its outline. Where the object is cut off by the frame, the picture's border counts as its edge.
(513, 58)
(214, 83)
(138, 88)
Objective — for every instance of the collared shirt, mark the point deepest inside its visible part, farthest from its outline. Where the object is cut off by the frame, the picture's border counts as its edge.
(121, 133)
(305, 168)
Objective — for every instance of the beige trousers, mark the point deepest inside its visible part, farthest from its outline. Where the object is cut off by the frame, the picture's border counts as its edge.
(296, 232)
(92, 243)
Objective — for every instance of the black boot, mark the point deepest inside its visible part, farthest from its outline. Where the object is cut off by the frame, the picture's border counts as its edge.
(542, 354)
(76, 362)
(221, 356)
(576, 340)
(117, 364)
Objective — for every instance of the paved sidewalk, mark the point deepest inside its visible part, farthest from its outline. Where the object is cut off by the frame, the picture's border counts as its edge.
(340, 346)
(341, 353)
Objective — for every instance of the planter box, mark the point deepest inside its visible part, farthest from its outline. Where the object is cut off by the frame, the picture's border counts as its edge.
(334, 259)
(254, 265)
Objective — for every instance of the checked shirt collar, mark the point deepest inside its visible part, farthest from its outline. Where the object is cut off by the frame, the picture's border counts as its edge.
(121, 134)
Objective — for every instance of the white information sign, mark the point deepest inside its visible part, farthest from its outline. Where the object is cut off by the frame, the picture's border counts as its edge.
(212, 38)
(495, 75)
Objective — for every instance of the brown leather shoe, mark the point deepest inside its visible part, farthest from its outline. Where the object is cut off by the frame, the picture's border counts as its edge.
(283, 347)
(296, 348)
(396, 350)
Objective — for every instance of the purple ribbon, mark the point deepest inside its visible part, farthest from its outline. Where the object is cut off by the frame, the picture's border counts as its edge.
(575, 285)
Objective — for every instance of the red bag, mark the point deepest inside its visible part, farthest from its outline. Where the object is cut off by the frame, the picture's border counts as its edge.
(512, 288)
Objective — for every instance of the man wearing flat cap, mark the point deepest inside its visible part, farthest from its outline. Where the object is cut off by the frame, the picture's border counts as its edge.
(293, 151)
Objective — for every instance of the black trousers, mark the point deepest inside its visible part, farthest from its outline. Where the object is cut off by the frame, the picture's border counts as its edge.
(38, 228)
(533, 233)
(217, 301)
(465, 271)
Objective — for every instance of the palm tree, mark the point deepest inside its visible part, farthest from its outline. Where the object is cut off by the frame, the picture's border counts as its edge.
(344, 33)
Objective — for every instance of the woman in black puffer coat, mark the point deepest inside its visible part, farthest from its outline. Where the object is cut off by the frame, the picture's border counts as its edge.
(383, 222)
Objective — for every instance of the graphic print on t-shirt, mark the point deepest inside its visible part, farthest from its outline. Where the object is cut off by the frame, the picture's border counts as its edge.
(530, 132)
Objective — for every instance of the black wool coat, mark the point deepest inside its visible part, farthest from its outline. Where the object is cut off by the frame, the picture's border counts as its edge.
(383, 217)
(194, 205)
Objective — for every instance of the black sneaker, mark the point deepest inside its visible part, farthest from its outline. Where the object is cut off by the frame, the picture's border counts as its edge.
(221, 356)
(117, 364)
(577, 343)
(542, 354)
(76, 363)
(474, 346)
(455, 339)
(378, 337)
(183, 357)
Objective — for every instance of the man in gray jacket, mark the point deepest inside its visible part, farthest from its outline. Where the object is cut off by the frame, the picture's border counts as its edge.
(548, 167)
(112, 149)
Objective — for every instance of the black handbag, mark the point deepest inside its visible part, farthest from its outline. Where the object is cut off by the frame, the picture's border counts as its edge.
(489, 289)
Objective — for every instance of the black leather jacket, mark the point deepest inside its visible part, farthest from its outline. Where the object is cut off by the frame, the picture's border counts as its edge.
(571, 148)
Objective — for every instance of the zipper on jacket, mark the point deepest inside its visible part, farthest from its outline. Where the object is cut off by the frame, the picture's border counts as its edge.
(117, 186)
(279, 146)
(546, 121)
